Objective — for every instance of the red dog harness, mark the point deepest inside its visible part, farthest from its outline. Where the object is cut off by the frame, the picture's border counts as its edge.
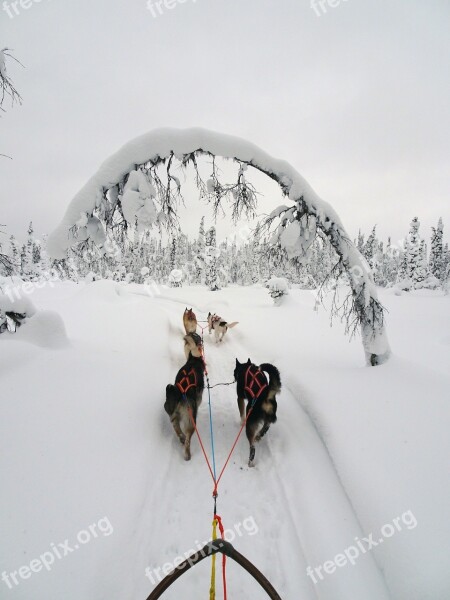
(255, 382)
(188, 381)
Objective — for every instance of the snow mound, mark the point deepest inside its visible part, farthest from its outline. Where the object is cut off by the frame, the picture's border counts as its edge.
(13, 297)
(278, 283)
(278, 289)
(45, 329)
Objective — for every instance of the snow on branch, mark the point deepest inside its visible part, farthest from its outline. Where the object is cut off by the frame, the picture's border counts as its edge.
(139, 185)
(6, 266)
(293, 229)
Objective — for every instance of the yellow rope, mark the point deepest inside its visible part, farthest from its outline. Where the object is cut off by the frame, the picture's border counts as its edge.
(212, 589)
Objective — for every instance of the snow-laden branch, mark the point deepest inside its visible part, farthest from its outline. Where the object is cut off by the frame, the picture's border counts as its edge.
(7, 89)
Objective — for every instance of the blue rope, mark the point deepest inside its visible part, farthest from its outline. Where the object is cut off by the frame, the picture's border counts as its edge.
(212, 435)
(211, 429)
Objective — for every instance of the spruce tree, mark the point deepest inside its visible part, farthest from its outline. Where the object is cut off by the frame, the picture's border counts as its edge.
(14, 254)
(174, 276)
(414, 251)
(200, 254)
(369, 249)
(360, 241)
(421, 272)
(437, 266)
(212, 278)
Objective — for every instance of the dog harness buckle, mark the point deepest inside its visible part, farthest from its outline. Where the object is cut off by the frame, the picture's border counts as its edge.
(255, 382)
(188, 381)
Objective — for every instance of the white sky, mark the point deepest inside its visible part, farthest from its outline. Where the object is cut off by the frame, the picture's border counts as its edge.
(356, 99)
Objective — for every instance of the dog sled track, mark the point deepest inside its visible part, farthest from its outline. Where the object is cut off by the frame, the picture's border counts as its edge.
(283, 515)
(324, 518)
(311, 519)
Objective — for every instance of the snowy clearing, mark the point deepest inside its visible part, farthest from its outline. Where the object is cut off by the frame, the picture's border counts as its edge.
(89, 459)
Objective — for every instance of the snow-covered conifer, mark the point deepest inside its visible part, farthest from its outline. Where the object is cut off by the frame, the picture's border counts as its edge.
(212, 277)
(437, 266)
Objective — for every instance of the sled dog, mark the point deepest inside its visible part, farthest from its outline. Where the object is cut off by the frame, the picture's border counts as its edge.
(193, 344)
(260, 393)
(189, 321)
(183, 400)
(219, 326)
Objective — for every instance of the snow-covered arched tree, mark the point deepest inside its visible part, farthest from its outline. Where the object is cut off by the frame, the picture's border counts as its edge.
(139, 182)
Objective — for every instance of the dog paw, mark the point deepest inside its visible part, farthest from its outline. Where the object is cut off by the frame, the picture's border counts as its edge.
(187, 457)
(182, 439)
(251, 463)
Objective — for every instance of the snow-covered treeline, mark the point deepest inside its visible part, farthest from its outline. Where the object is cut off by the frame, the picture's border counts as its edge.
(411, 263)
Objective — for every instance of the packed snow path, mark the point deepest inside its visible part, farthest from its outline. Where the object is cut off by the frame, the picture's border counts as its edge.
(301, 516)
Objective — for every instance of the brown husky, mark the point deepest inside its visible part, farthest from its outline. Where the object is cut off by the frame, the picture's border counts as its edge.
(189, 321)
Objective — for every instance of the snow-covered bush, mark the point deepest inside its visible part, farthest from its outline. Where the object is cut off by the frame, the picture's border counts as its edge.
(278, 287)
(403, 285)
(176, 277)
(430, 283)
(90, 277)
(15, 305)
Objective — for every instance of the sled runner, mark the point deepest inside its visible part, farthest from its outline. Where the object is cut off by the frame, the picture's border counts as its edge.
(211, 549)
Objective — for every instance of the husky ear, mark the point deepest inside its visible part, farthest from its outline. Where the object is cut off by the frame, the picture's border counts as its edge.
(249, 361)
(237, 363)
(209, 314)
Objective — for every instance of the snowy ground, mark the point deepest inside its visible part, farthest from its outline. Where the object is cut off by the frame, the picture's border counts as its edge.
(90, 466)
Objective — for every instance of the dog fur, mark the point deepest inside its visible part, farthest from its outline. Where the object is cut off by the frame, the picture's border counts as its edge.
(192, 344)
(189, 321)
(219, 326)
(264, 411)
(177, 406)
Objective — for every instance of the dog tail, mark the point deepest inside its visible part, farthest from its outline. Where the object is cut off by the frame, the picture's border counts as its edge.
(275, 380)
(233, 324)
(173, 397)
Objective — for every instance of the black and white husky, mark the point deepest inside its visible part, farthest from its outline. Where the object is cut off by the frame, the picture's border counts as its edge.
(193, 344)
(219, 326)
(260, 393)
(183, 400)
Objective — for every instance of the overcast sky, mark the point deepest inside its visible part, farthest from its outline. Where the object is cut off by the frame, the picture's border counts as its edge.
(356, 99)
